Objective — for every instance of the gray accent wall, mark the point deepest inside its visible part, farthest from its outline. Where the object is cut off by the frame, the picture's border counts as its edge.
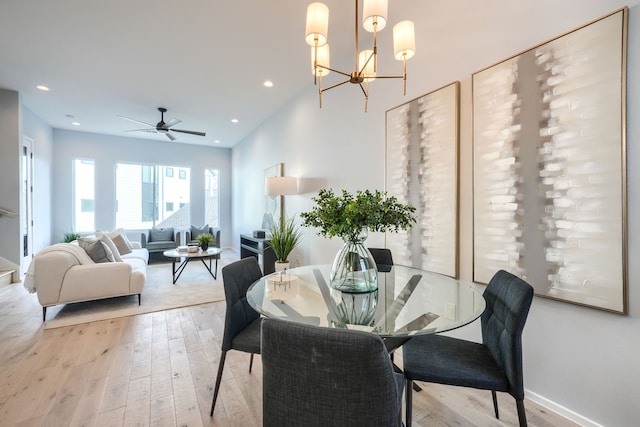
(578, 361)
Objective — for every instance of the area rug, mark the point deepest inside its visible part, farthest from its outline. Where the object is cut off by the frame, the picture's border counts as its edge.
(195, 286)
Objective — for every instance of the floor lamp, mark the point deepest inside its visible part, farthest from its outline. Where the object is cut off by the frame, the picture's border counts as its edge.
(282, 186)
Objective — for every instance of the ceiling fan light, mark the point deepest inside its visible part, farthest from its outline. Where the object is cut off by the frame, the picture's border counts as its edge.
(374, 12)
(317, 24)
(404, 40)
(323, 59)
(368, 73)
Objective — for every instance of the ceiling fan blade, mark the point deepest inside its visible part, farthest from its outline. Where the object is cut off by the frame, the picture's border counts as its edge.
(190, 132)
(142, 130)
(172, 122)
(137, 121)
(171, 137)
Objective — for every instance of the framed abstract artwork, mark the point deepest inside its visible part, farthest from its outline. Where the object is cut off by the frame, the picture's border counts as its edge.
(272, 203)
(422, 170)
(549, 166)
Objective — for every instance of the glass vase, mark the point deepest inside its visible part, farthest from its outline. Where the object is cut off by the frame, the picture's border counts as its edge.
(354, 269)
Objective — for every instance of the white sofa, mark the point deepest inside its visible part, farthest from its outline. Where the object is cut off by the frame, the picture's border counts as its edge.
(64, 273)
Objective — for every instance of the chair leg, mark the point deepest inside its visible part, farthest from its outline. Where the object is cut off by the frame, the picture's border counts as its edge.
(218, 379)
(495, 403)
(522, 417)
(139, 299)
(408, 402)
(44, 314)
(251, 363)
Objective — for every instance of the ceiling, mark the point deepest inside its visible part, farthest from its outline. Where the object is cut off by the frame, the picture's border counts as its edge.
(204, 60)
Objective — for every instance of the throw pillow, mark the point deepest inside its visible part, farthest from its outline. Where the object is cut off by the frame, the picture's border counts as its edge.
(118, 232)
(107, 241)
(97, 250)
(161, 234)
(121, 244)
(196, 231)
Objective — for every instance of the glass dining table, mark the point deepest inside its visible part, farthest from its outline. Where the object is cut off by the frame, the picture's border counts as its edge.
(408, 301)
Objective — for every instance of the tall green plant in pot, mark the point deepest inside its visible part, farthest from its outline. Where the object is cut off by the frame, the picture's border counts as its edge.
(351, 217)
(284, 236)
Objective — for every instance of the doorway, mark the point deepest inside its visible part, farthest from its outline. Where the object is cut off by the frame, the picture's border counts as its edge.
(26, 204)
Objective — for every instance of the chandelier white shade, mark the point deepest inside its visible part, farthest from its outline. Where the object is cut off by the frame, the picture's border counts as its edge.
(374, 19)
(374, 15)
(320, 56)
(404, 40)
(317, 24)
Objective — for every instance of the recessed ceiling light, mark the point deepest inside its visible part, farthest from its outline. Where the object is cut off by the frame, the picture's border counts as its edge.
(268, 83)
(234, 120)
(75, 123)
(216, 141)
(42, 88)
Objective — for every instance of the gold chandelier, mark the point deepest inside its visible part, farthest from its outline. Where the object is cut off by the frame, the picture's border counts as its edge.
(374, 19)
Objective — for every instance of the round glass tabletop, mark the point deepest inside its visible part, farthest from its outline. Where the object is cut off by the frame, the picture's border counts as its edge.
(408, 301)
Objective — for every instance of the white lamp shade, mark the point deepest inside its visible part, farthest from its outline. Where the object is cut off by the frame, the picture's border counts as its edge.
(281, 185)
(404, 40)
(369, 74)
(317, 24)
(374, 11)
(323, 59)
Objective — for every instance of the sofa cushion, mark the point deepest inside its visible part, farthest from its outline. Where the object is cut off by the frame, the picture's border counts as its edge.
(96, 249)
(160, 246)
(196, 231)
(161, 234)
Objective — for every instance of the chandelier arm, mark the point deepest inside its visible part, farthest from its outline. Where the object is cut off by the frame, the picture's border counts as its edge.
(391, 77)
(335, 85)
(404, 73)
(367, 63)
(334, 70)
(375, 46)
(366, 96)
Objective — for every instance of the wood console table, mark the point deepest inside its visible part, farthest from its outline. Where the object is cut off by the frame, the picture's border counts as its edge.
(259, 248)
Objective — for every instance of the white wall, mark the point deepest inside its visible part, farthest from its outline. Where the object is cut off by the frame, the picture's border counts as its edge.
(110, 150)
(577, 360)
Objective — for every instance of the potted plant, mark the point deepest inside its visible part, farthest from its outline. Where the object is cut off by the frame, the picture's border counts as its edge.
(283, 238)
(70, 237)
(350, 217)
(205, 239)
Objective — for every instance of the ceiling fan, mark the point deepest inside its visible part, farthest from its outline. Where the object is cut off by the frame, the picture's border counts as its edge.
(161, 126)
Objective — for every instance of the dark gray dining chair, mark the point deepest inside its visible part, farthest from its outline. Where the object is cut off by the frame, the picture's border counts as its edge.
(241, 322)
(383, 258)
(316, 376)
(494, 365)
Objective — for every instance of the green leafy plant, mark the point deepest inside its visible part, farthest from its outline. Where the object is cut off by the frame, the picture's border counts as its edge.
(205, 239)
(345, 216)
(284, 237)
(70, 237)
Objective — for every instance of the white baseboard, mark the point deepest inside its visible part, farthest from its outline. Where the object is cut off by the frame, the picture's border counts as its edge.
(561, 410)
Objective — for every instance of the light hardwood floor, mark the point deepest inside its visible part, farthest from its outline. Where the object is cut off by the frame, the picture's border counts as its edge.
(158, 369)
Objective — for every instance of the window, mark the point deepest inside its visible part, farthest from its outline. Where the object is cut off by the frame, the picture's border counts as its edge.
(146, 196)
(211, 197)
(83, 195)
(182, 174)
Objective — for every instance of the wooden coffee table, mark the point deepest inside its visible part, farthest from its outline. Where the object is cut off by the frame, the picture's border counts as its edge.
(184, 257)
